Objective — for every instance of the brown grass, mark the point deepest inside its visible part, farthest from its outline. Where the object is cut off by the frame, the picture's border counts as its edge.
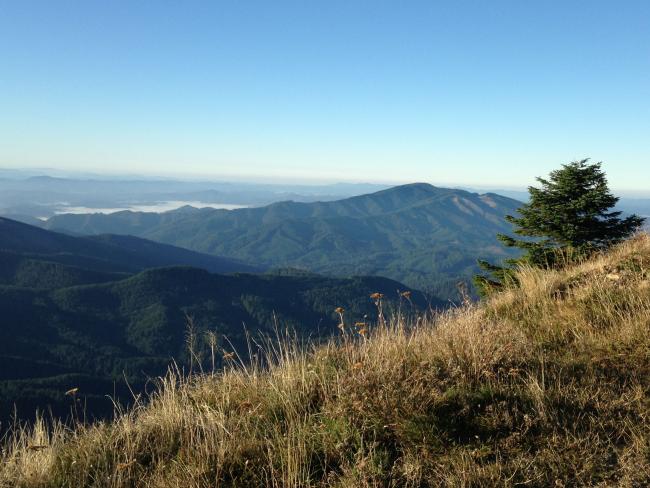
(544, 385)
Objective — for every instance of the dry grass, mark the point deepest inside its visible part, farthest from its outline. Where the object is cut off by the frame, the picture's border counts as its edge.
(544, 385)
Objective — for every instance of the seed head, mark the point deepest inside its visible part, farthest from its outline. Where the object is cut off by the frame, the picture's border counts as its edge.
(127, 465)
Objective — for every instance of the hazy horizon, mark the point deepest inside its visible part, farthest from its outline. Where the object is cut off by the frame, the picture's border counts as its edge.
(281, 182)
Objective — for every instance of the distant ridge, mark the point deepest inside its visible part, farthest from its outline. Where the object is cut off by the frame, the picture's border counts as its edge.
(106, 253)
(419, 234)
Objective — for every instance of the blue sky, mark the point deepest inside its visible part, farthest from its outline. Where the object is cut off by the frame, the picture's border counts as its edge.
(456, 92)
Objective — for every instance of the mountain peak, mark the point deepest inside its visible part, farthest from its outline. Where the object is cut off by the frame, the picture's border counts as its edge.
(417, 184)
(410, 190)
(405, 195)
(411, 187)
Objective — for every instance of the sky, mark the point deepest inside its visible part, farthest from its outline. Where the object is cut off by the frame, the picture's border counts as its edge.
(450, 92)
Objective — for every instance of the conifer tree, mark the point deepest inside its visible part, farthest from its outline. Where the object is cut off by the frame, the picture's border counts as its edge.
(571, 214)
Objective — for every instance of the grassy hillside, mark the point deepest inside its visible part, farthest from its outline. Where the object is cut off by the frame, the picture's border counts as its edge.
(423, 236)
(546, 385)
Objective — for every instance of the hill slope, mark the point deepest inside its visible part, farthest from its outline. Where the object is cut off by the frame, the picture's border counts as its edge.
(103, 253)
(545, 385)
(417, 234)
(42, 271)
(96, 336)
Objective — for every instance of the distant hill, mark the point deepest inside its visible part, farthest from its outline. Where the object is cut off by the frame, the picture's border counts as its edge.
(425, 236)
(29, 196)
(95, 337)
(102, 253)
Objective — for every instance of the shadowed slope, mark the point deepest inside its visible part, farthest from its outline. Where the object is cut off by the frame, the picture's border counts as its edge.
(106, 253)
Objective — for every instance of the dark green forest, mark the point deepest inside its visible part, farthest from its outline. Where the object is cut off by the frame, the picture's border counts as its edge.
(65, 325)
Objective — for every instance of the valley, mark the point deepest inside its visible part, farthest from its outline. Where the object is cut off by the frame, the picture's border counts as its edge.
(106, 313)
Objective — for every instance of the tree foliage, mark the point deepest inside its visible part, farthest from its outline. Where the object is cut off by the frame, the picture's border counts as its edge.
(570, 215)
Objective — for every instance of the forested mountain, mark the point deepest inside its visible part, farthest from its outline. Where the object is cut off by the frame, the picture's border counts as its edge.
(95, 336)
(78, 312)
(37, 271)
(105, 253)
(418, 234)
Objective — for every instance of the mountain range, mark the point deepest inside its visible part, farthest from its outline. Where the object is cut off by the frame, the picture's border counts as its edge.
(424, 236)
(105, 304)
(32, 195)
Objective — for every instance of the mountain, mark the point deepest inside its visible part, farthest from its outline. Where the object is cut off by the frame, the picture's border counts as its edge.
(421, 235)
(26, 244)
(99, 337)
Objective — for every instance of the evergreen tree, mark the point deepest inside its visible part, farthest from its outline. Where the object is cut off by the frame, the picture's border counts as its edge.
(569, 215)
